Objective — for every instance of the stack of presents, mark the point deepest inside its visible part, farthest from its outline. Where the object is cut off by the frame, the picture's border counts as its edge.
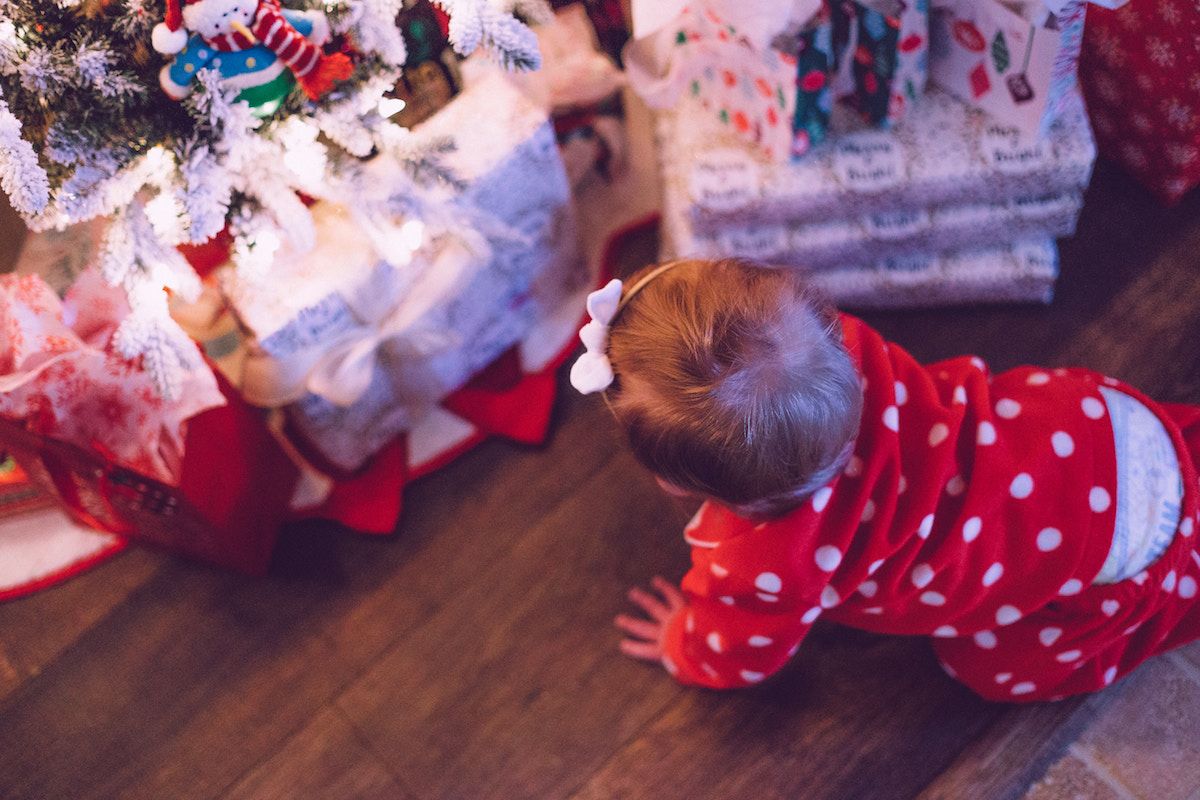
(906, 152)
(343, 370)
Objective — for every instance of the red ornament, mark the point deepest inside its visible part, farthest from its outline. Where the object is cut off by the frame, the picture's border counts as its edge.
(741, 122)
(911, 42)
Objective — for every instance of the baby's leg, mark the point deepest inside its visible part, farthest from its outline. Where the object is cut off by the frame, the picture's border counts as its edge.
(1046, 656)
(1084, 642)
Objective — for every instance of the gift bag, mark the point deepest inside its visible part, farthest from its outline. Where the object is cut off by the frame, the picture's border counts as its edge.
(881, 48)
(702, 56)
(1140, 72)
(1019, 66)
(872, 55)
(201, 476)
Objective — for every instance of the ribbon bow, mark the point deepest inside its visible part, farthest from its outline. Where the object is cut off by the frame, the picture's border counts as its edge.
(341, 369)
(592, 372)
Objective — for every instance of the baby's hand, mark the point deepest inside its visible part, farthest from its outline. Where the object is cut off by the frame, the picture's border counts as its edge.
(645, 636)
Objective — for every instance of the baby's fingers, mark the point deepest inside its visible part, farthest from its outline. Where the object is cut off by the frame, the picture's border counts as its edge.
(641, 628)
(645, 651)
(667, 589)
(649, 603)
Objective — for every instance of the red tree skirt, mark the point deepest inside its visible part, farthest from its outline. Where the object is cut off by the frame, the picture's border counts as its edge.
(509, 398)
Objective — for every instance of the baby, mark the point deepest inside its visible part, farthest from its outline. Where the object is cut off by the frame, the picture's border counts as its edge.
(1038, 524)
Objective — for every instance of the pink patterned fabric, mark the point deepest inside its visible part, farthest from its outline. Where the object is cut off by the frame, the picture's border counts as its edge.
(59, 373)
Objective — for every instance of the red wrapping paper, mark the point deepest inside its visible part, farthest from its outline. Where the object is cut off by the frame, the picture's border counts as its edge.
(231, 499)
(1140, 70)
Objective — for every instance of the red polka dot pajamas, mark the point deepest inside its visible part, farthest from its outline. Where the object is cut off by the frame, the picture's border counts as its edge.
(974, 510)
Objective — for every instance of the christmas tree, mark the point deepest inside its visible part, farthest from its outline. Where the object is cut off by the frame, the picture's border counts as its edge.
(176, 124)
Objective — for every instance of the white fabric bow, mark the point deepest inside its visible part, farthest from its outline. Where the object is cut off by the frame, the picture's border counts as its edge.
(592, 372)
(341, 369)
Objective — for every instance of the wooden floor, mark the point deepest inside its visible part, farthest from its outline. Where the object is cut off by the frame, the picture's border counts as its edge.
(471, 656)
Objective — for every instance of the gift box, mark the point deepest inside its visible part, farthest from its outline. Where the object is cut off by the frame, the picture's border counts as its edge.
(699, 58)
(361, 349)
(833, 244)
(1140, 71)
(1017, 61)
(1023, 271)
(947, 154)
(200, 476)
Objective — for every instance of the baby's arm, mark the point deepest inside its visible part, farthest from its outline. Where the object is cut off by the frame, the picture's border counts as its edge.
(746, 604)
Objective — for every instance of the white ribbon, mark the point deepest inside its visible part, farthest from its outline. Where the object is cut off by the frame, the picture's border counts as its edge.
(341, 370)
(592, 372)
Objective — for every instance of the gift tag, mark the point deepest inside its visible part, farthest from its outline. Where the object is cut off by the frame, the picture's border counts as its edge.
(725, 179)
(914, 262)
(893, 225)
(1042, 206)
(756, 242)
(868, 161)
(1007, 151)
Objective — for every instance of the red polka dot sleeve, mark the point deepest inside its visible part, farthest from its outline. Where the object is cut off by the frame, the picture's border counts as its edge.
(750, 602)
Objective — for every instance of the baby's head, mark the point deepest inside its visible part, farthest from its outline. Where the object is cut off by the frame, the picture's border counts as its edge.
(731, 381)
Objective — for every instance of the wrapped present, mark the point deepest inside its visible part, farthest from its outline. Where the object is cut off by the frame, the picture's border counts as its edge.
(361, 348)
(833, 244)
(1023, 271)
(201, 476)
(1015, 60)
(743, 85)
(1140, 71)
(949, 154)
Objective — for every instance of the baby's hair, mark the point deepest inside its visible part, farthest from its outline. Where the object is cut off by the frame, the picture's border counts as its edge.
(732, 382)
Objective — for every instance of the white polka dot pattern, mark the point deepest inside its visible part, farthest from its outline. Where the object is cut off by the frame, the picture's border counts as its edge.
(968, 501)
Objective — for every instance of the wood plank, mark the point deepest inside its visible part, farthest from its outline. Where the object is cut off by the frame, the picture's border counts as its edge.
(515, 686)
(854, 716)
(208, 674)
(37, 629)
(325, 759)
(1016, 750)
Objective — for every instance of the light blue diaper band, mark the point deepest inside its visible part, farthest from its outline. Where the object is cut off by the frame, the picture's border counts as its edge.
(1149, 488)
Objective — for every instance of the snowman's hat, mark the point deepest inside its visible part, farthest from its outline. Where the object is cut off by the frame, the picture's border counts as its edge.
(168, 36)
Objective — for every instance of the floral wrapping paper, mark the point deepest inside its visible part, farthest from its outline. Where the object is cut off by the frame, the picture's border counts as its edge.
(1140, 71)
(834, 244)
(427, 327)
(60, 374)
(945, 154)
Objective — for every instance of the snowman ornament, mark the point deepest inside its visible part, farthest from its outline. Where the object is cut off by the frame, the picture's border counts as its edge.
(258, 48)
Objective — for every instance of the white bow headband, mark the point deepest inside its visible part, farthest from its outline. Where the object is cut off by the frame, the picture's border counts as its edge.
(593, 372)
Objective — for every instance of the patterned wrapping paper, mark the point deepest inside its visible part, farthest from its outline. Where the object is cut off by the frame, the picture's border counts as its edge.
(829, 245)
(1014, 60)
(447, 314)
(1024, 271)
(1140, 71)
(945, 154)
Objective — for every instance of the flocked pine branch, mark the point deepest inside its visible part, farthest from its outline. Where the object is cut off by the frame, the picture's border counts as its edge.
(480, 23)
(85, 131)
